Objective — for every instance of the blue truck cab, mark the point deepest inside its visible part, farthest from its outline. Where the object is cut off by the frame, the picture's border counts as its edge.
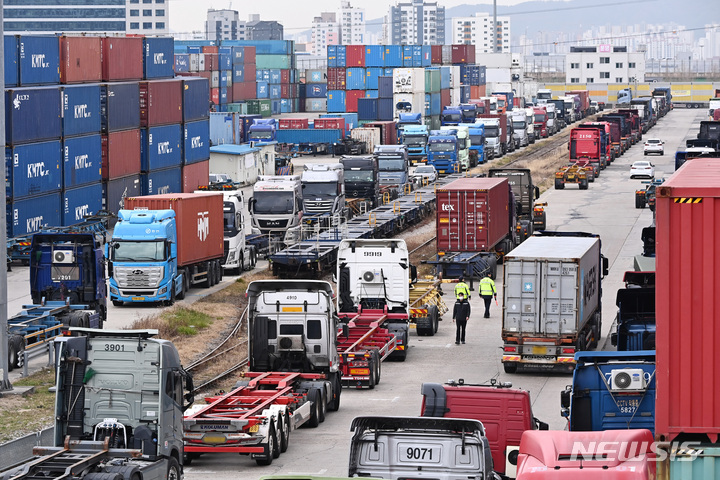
(443, 152)
(263, 130)
(636, 313)
(451, 116)
(415, 138)
(611, 391)
(404, 120)
(476, 132)
(468, 112)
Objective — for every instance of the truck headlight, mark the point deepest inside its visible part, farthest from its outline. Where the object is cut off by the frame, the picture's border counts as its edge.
(114, 290)
(163, 291)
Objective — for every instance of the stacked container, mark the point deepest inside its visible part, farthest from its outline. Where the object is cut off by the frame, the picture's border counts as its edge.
(409, 89)
(313, 93)
(195, 138)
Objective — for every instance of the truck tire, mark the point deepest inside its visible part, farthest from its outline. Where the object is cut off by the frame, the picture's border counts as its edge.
(435, 313)
(372, 367)
(171, 302)
(510, 367)
(173, 472)
(583, 184)
(284, 435)
(313, 397)
(15, 347)
(269, 448)
(334, 404)
(559, 185)
(208, 276)
(378, 366)
(181, 295)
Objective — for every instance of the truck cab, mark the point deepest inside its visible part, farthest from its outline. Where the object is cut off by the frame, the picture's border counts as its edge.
(559, 114)
(393, 166)
(463, 141)
(635, 318)
(476, 134)
(519, 122)
(263, 130)
(443, 151)
(551, 120)
(544, 95)
(276, 204)
(468, 112)
(530, 122)
(624, 96)
(492, 135)
(571, 114)
(362, 179)
(415, 138)
(502, 104)
(406, 120)
(541, 121)
(323, 190)
(451, 116)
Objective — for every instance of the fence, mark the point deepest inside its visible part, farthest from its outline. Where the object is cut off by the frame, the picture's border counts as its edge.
(20, 450)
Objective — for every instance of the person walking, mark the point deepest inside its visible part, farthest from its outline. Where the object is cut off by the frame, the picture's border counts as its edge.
(462, 287)
(461, 314)
(487, 292)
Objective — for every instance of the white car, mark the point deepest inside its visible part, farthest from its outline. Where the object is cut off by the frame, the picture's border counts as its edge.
(654, 145)
(642, 168)
(423, 172)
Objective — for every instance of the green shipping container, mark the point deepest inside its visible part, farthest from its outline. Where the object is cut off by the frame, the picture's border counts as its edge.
(241, 108)
(432, 80)
(259, 107)
(266, 62)
(432, 122)
(697, 462)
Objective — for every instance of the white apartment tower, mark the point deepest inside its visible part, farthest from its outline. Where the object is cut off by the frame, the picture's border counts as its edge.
(416, 22)
(352, 24)
(224, 25)
(478, 30)
(325, 31)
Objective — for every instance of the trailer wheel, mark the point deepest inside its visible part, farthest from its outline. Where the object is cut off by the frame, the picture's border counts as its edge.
(559, 185)
(583, 184)
(510, 367)
(378, 366)
(284, 434)
(208, 275)
(269, 448)
(334, 404)
(186, 279)
(434, 313)
(638, 201)
(15, 348)
(314, 415)
(371, 365)
(173, 472)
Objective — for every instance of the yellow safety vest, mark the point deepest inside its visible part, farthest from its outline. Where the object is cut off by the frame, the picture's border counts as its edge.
(487, 286)
(462, 288)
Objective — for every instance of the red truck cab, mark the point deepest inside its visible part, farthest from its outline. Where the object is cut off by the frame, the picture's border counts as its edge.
(609, 151)
(504, 412)
(560, 455)
(540, 121)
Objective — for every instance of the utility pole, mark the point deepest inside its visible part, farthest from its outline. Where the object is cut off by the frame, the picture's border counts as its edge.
(495, 35)
(5, 381)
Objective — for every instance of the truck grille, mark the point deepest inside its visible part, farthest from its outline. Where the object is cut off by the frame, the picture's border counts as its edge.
(138, 277)
(272, 224)
(314, 206)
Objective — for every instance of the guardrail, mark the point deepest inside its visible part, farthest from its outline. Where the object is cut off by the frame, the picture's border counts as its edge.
(18, 451)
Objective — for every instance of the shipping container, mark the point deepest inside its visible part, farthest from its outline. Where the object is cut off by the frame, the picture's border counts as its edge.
(386, 109)
(371, 94)
(30, 215)
(351, 119)
(195, 175)
(197, 62)
(336, 101)
(209, 49)
(316, 105)
(297, 136)
(421, 56)
(409, 102)
(120, 154)
(77, 203)
(388, 132)
(285, 123)
(463, 54)
(367, 108)
(259, 107)
(337, 56)
(250, 54)
(274, 91)
(158, 57)
(316, 75)
(409, 80)
(272, 61)
(81, 110)
(236, 107)
(226, 78)
(225, 61)
(355, 79)
(263, 90)
(393, 56)
(686, 295)
(82, 160)
(39, 57)
(159, 182)
(182, 63)
(337, 78)
(446, 97)
(33, 169)
(434, 104)
(195, 99)
(265, 47)
(161, 102)
(274, 76)
(226, 128)
(80, 59)
(23, 108)
(354, 56)
(472, 214)
(375, 56)
(12, 66)
(120, 106)
(244, 91)
(262, 75)
(447, 54)
(316, 90)
(371, 77)
(432, 80)
(407, 56)
(238, 55)
(351, 99)
(436, 54)
(196, 145)
(238, 73)
(385, 87)
(432, 122)
(161, 147)
(465, 93)
(369, 136)
(325, 123)
(116, 191)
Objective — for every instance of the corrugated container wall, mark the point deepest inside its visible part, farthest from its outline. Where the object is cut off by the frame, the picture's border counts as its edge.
(80, 59)
(688, 270)
(30, 215)
(24, 107)
(196, 141)
(472, 214)
(120, 106)
(164, 181)
(385, 87)
(354, 56)
(463, 54)
(409, 80)
(393, 56)
(367, 108)
(39, 57)
(161, 102)
(116, 191)
(80, 202)
(371, 77)
(336, 101)
(158, 60)
(337, 78)
(374, 56)
(316, 105)
(82, 160)
(33, 169)
(351, 99)
(120, 154)
(182, 63)
(195, 175)
(12, 68)
(161, 147)
(195, 98)
(81, 110)
(355, 79)
(385, 109)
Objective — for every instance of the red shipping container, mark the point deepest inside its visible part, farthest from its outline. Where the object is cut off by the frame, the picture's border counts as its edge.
(288, 123)
(445, 98)
(388, 131)
(212, 62)
(215, 96)
(198, 219)
(160, 102)
(355, 56)
(209, 49)
(463, 54)
(250, 71)
(207, 75)
(244, 91)
(477, 91)
(436, 54)
(121, 58)
(284, 90)
(249, 57)
(80, 59)
(336, 123)
(351, 99)
(336, 78)
(229, 94)
(687, 268)
(284, 76)
(472, 214)
(120, 154)
(195, 175)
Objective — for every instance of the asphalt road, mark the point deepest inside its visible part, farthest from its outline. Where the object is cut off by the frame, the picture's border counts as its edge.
(606, 208)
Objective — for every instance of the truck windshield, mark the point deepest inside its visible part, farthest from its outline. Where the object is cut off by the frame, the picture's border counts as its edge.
(501, 103)
(358, 175)
(518, 125)
(273, 202)
(415, 140)
(127, 251)
(260, 135)
(442, 147)
(568, 105)
(477, 140)
(452, 117)
(491, 131)
(468, 116)
(539, 117)
(229, 226)
(551, 114)
(544, 95)
(320, 189)
(392, 164)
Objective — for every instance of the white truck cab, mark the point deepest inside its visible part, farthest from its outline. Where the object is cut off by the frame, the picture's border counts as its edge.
(276, 204)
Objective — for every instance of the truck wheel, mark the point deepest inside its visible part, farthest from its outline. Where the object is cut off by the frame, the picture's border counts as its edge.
(14, 352)
(371, 366)
(583, 184)
(378, 366)
(559, 185)
(510, 367)
(220, 271)
(118, 303)
(208, 276)
(434, 313)
(173, 472)
(186, 279)
(313, 397)
(322, 410)
(269, 448)
(181, 295)
(284, 435)
(334, 404)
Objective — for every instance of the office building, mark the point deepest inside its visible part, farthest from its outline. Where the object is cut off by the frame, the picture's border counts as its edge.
(224, 25)
(416, 22)
(604, 64)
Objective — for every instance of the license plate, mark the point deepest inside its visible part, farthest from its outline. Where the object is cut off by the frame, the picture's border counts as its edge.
(214, 439)
(359, 371)
(418, 453)
(539, 350)
(138, 299)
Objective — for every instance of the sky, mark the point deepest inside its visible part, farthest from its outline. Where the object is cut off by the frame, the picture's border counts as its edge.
(295, 15)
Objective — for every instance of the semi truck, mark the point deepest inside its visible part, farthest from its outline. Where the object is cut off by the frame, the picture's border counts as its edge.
(393, 166)
(323, 193)
(544, 95)
(495, 132)
(276, 205)
(519, 123)
(451, 115)
(559, 113)
(164, 244)
(119, 400)
(584, 97)
(415, 138)
(443, 151)
(505, 412)
(530, 123)
(463, 142)
(468, 112)
(635, 320)
(476, 135)
(551, 300)
(571, 108)
(531, 216)
(540, 122)
(587, 147)
(405, 120)
(551, 118)
(263, 130)
(362, 180)
(293, 377)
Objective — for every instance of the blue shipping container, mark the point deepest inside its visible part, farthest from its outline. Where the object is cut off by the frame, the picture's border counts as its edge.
(265, 47)
(375, 56)
(160, 147)
(158, 182)
(355, 78)
(464, 93)
(386, 109)
(274, 91)
(275, 107)
(39, 57)
(225, 61)
(81, 110)
(33, 169)
(302, 135)
(367, 108)
(225, 128)
(116, 191)
(435, 104)
(445, 77)
(482, 73)
(224, 95)
(371, 94)
(316, 90)
(120, 106)
(385, 87)
(196, 141)
(332, 56)
(262, 90)
(225, 78)
(335, 101)
(286, 105)
(82, 160)
(77, 203)
(417, 54)
(238, 55)
(194, 48)
(388, 72)
(158, 60)
(407, 56)
(196, 98)
(182, 62)
(238, 73)
(393, 56)
(371, 78)
(30, 215)
(341, 56)
(275, 76)
(12, 68)
(426, 53)
(32, 114)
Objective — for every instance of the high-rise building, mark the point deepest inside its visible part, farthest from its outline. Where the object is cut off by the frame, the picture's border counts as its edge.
(325, 31)
(148, 17)
(416, 22)
(264, 30)
(352, 25)
(224, 25)
(478, 30)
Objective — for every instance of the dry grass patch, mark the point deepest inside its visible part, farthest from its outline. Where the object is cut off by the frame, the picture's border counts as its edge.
(23, 415)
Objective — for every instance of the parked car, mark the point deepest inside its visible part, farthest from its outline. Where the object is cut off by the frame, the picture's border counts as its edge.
(642, 168)
(423, 172)
(654, 145)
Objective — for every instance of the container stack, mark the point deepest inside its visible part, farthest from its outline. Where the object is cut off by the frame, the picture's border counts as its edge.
(313, 93)
(409, 90)
(472, 82)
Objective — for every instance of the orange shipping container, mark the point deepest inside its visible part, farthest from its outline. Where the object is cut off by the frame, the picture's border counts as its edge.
(195, 175)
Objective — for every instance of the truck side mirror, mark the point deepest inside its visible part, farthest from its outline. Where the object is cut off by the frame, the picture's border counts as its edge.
(565, 397)
(605, 270)
(537, 192)
(541, 425)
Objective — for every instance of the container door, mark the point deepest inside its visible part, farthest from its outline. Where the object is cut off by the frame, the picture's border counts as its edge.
(451, 221)
(476, 221)
(523, 290)
(560, 287)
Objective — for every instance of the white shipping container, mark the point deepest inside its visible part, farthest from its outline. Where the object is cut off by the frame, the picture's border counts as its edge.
(493, 60)
(455, 77)
(551, 286)
(455, 96)
(409, 80)
(447, 54)
(415, 103)
(316, 75)
(197, 62)
(316, 105)
(215, 79)
(495, 75)
(367, 135)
